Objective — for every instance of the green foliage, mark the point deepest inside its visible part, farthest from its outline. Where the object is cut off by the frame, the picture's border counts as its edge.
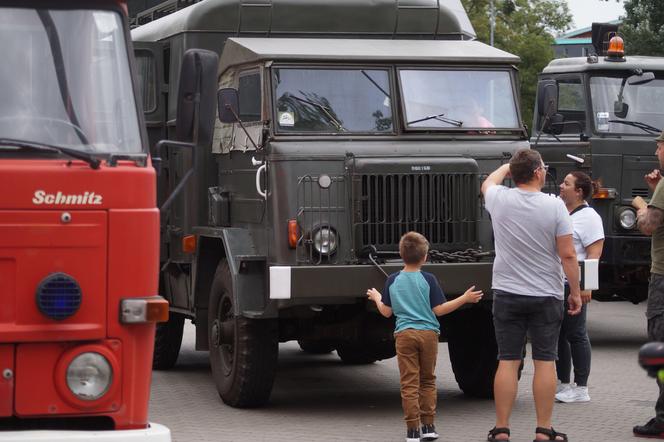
(523, 28)
(643, 27)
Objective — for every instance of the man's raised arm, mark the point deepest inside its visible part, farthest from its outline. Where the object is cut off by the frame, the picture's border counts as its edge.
(496, 177)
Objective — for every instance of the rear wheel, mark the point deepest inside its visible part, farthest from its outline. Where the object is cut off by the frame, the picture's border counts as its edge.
(473, 350)
(167, 342)
(243, 352)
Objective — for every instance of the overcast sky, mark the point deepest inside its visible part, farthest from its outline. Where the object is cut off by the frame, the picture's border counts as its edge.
(585, 12)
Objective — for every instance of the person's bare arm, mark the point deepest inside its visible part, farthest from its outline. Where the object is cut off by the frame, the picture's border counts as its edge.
(593, 251)
(565, 246)
(648, 219)
(470, 295)
(376, 297)
(496, 177)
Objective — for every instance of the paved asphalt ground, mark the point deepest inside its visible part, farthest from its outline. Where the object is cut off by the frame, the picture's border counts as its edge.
(316, 398)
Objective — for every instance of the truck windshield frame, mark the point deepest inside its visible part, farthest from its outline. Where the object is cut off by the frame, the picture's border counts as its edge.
(644, 109)
(71, 92)
(458, 99)
(339, 100)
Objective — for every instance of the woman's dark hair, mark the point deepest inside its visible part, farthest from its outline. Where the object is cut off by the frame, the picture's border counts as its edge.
(583, 182)
(523, 164)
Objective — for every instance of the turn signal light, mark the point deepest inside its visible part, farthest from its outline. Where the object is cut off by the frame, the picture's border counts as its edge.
(142, 310)
(189, 243)
(605, 193)
(293, 233)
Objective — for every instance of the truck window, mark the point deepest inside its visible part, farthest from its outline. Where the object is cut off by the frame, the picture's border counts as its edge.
(326, 100)
(249, 93)
(458, 99)
(147, 84)
(640, 104)
(81, 96)
(572, 105)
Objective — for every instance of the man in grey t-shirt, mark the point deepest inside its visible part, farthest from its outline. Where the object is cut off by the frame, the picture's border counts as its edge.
(534, 247)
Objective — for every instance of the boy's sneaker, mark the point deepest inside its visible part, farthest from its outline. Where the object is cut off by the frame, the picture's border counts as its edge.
(429, 432)
(575, 394)
(652, 429)
(413, 435)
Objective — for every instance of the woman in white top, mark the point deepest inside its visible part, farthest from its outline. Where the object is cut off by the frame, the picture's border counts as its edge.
(573, 343)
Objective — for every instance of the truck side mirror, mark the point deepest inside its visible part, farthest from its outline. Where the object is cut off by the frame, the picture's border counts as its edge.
(229, 105)
(547, 97)
(195, 104)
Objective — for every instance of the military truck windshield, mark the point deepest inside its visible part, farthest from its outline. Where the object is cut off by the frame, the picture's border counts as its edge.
(332, 100)
(636, 111)
(59, 89)
(458, 99)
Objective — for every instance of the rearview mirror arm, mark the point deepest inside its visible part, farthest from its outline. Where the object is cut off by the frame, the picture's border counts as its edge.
(237, 118)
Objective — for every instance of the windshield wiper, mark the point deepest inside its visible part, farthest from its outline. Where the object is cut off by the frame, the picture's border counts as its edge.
(643, 126)
(39, 147)
(439, 117)
(330, 117)
(58, 60)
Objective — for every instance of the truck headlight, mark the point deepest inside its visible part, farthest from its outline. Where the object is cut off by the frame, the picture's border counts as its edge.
(89, 376)
(325, 241)
(627, 219)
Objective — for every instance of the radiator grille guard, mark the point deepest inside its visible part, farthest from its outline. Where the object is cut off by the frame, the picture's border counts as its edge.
(321, 207)
(443, 207)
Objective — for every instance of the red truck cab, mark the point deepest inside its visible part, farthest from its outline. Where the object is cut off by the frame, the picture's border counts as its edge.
(79, 228)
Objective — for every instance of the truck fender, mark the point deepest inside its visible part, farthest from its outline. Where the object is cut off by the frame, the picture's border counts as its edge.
(248, 272)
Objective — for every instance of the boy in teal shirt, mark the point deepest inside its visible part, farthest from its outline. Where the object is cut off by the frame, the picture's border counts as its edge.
(415, 298)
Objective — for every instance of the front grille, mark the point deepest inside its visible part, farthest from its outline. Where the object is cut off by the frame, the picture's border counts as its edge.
(443, 207)
(640, 191)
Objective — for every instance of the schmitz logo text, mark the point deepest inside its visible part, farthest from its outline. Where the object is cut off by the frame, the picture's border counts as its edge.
(41, 197)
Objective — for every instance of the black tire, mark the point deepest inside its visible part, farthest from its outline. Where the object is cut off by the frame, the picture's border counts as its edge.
(473, 350)
(316, 347)
(355, 353)
(167, 342)
(243, 352)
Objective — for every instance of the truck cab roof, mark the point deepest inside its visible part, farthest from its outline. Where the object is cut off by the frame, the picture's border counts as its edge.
(582, 64)
(250, 50)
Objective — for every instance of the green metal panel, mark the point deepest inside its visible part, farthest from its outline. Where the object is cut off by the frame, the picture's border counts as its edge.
(388, 18)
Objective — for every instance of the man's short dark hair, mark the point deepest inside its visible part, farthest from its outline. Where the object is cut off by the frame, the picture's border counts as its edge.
(523, 165)
(413, 247)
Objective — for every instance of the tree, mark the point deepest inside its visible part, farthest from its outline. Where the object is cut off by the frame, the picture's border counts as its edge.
(643, 27)
(523, 28)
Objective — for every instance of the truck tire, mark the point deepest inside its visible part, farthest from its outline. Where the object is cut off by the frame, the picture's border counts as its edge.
(167, 342)
(473, 349)
(355, 353)
(243, 352)
(316, 347)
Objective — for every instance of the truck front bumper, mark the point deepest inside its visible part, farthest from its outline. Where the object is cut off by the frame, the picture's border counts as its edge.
(154, 433)
(624, 251)
(352, 281)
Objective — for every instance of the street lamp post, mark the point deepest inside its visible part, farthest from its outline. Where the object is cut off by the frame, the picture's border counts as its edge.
(492, 21)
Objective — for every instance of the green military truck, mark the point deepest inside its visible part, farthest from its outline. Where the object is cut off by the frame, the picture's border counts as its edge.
(600, 114)
(342, 126)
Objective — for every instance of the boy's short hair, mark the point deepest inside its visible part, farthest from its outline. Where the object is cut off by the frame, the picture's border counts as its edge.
(413, 247)
(523, 164)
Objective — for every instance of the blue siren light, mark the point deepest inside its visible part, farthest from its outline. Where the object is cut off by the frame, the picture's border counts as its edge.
(58, 296)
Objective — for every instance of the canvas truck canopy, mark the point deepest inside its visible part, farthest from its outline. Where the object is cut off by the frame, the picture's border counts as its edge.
(249, 50)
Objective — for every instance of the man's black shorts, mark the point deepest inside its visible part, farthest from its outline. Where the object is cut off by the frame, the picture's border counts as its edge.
(538, 317)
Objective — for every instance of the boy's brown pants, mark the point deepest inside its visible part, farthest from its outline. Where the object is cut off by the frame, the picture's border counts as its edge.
(416, 353)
